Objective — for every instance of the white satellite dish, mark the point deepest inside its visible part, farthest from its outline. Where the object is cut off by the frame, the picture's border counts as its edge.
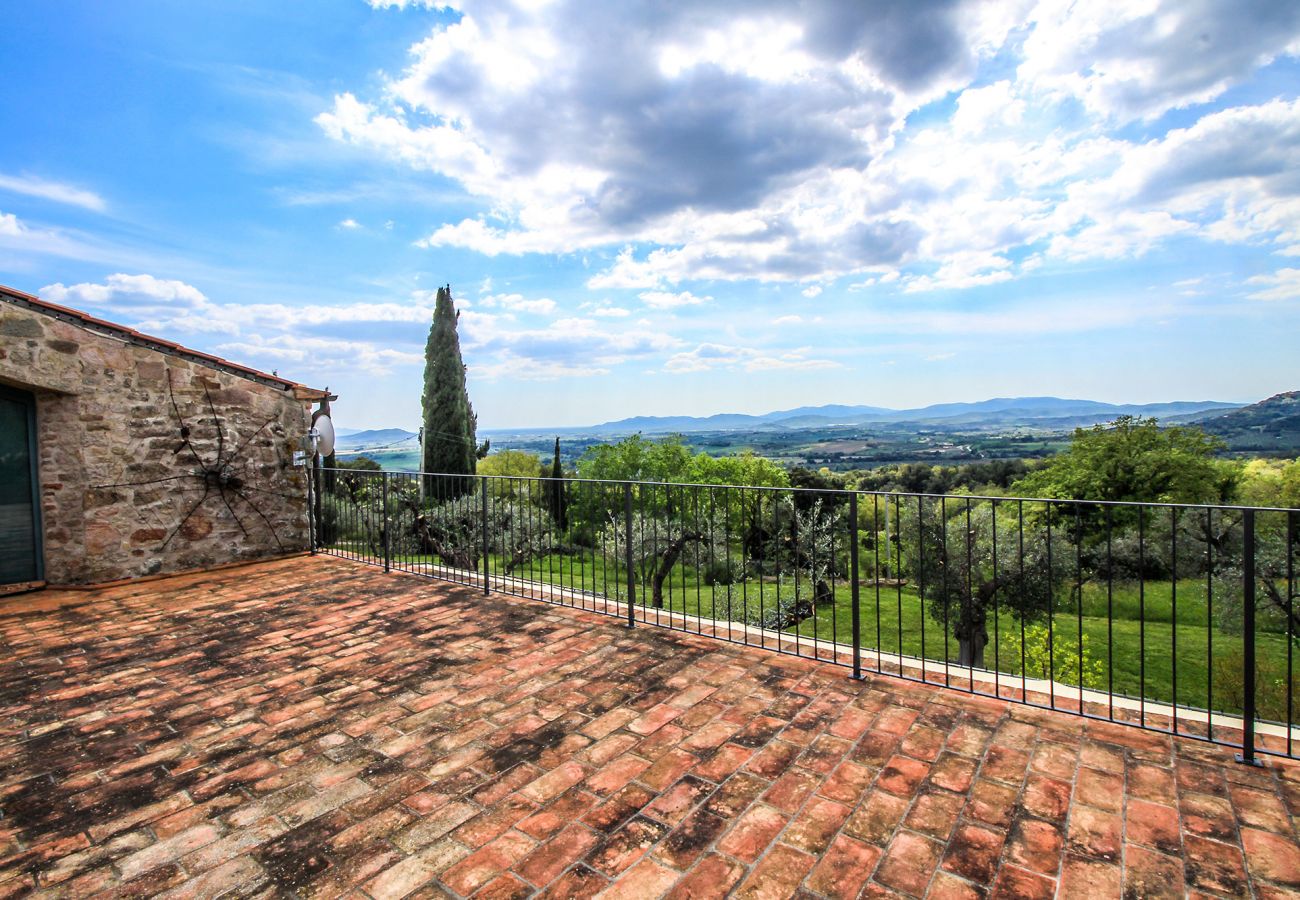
(324, 435)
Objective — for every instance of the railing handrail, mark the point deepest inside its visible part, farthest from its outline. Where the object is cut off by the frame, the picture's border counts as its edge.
(1150, 504)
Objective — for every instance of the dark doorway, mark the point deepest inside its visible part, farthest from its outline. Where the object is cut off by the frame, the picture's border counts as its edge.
(20, 532)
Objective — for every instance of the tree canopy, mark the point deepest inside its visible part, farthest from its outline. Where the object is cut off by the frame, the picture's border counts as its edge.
(449, 442)
(637, 458)
(1134, 459)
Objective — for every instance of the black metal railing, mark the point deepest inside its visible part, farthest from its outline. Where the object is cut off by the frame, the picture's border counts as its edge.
(1176, 618)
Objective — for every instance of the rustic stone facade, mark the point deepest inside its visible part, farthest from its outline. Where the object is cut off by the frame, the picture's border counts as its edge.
(131, 433)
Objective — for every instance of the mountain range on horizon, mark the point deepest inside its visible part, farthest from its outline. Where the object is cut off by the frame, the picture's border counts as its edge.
(995, 411)
(1039, 412)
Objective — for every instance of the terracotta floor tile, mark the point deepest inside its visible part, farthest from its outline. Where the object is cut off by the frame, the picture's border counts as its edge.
(902, 776)
(909, 863)
(1153, 825)
(844, 868)
(778, 875)
(875, 820)
(1036, 845)
(1272, 857)
(1020, 884)
(713, 876)
(1151, 874)
(973, 853)
(751, 835)
(317, 727)
(934, 813)
(1088, 879)
(1096, 833)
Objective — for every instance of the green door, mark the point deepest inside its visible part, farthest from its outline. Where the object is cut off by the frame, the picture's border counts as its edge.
(20, 534)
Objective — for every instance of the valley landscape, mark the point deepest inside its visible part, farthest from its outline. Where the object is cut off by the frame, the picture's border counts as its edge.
(844, 438)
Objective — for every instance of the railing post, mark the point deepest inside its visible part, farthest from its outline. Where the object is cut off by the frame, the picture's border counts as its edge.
(1248, 713)
(312, 525)
(853, 585)
(486, 544)
(315, 512)
(383, 519)
(627, 554)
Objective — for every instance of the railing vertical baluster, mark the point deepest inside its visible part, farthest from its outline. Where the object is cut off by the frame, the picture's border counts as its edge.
(1247, 754)
(1173, 614)
(627, 553)
(1209, 625)
(1142, 617)
(1290, 627)
(487, 560)
(388, 552)
(1110, 616)
(312, 524)
(920, 574)
(1051, 617)
(997, 625)
(1078, 586)
(875, 567)
(853, 584)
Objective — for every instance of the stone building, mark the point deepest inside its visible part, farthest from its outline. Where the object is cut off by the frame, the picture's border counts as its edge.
(124, 455)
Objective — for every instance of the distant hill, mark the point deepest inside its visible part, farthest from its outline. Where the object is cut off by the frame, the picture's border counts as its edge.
(1053, 412)
(1269, 426)
(379, 437)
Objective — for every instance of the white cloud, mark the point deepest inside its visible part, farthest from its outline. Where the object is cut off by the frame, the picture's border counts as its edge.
(130, 291)
(670, 300)
(812, 290)
(404, 4)
(963, 270)
(55, 191)
(760, 115)
(788, 320)
(709, 356)
(611, 312)
(771, 142)
(571, 346)
(986, 108)
(1140, 59)
(350, 224)
(17, 235)
(517, 303)
(320, 355)
(1284, 284)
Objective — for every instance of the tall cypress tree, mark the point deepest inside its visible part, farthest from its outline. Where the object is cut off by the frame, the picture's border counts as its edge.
(556, 501)
(449, 441)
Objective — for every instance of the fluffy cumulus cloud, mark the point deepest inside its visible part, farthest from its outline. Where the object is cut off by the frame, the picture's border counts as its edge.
(1139, 59)
(128, 291)
(766, 141)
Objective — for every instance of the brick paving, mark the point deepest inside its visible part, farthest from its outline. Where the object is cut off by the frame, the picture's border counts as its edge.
(317, 728)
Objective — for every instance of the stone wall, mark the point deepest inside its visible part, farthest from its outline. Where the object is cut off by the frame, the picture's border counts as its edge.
(133, 483)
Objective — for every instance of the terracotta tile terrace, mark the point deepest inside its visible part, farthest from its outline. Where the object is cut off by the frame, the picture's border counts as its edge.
(319, 728)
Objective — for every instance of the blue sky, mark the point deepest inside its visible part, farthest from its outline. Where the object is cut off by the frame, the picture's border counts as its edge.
(659, 208)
